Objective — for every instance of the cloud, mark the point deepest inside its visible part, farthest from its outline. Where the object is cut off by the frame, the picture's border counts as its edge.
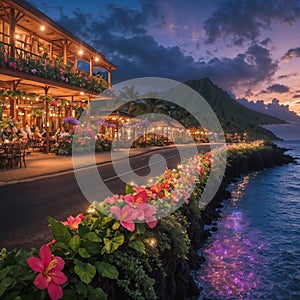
(290, 54)
(278, 88)
(285, 76)
(121, 35)
(243, 21)
(274, 108)
(249, 68)
(266, 42)
(296, 96)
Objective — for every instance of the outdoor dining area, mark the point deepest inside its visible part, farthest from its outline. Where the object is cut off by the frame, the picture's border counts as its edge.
(13, 153)
(115, 131)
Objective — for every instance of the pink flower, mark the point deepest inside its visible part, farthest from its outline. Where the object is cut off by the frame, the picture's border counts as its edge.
(50, 275)
(126, 215)
(33, 71)
(146, 212)
(112, 200)
(74, 222)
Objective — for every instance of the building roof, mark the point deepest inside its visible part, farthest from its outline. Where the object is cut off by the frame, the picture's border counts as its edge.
(32, 20)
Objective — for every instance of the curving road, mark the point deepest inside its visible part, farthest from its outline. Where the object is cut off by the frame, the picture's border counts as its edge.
(26, 206)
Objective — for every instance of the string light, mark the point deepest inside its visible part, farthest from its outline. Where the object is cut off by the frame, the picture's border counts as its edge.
(152, 242)
(91, 209)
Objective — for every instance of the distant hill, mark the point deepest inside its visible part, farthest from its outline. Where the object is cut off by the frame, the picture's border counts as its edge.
(233, 116)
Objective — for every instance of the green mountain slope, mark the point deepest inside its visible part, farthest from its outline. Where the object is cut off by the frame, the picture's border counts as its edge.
(233, 116)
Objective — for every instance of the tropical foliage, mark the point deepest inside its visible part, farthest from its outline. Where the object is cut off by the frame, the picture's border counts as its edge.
(116, 248)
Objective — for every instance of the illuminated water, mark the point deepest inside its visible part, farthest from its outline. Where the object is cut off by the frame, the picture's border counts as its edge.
(255, 254)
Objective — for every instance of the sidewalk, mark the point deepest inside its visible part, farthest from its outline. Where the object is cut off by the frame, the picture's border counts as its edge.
(41, 165)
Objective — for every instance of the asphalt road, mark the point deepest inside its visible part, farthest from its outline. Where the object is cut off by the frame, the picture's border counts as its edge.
(26, 206)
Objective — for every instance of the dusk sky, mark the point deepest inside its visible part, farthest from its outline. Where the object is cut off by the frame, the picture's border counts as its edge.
(250, 48)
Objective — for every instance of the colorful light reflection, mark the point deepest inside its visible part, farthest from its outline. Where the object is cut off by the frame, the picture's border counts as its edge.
(232, 258)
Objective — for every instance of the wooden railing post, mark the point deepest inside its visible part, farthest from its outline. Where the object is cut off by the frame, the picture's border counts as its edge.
(12, 29)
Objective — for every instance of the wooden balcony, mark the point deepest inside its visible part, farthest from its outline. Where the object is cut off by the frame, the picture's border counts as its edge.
(34, 70)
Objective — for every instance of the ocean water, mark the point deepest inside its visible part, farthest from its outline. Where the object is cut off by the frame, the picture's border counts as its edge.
(255, 254)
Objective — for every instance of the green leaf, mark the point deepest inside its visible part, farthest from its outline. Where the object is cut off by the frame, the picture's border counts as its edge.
(85, 271)
(83, 253)
(138, 246)
(69, 294)
(97, 294)
(111, 245)
(92, 247)
(99, 208)
(105, 221)
(75, 243)
(107, 234)
(5, 284)
(60, 232)
(3, 273)
(107, 270)
(93, 237)
(15, 296)
(95, 224)
(129, 189)
(21, 257)
(116, 225)
(81, 289)
(82, 230)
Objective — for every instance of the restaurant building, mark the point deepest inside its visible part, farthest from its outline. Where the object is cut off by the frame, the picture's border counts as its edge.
(40, 82)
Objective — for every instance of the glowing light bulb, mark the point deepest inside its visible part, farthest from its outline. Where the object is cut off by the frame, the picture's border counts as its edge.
(91, 209)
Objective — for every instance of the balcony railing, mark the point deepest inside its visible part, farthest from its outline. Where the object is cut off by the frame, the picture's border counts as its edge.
(30, 63)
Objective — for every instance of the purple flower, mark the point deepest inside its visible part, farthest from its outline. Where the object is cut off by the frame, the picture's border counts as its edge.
(33, 71)
(71, 120)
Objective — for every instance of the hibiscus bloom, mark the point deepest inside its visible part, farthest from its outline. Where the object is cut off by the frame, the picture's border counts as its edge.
(145, 213)
(50, 272)
(140, 197)
(148, 211)
(74, 222)
(126, 216)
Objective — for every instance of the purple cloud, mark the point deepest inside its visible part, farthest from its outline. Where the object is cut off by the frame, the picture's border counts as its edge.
(243, 21)
(290, 54)
(278, 88)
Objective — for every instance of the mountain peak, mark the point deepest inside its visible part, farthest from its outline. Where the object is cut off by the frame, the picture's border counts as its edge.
(233, 116)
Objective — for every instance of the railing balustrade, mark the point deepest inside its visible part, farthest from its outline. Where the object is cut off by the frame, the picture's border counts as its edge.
(48, 68)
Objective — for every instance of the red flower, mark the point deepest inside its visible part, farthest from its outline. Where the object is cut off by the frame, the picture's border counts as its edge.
(50, 275)
(74, 222)
(157, 189)
(140, 197)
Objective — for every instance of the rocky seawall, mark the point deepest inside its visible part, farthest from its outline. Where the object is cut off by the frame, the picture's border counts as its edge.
(178, 282)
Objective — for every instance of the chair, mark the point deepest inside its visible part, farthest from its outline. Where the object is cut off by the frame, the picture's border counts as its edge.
(10, 157)
(21, 155)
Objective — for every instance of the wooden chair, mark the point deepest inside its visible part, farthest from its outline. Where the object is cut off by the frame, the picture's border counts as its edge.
(21, 154)
(10, 158)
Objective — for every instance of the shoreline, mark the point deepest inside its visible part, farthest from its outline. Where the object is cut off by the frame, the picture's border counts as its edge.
(236, 166)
